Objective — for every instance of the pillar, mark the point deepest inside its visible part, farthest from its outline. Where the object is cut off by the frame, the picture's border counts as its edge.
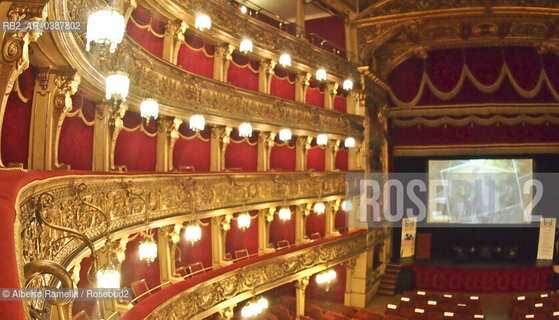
(353, 157)
(331, 208)
(165, 254)
(52, 100)
(351, 41)
(172, 40)
(15, 49)
(330, 91)
(107, 127)
(350, 267)
(265, 217)
(222, 58)
(300, 287)
(227, 313)
(302, 146)
(219, 141)
(352, 102)
(265, 73)
(302, 211)
(219, 226)
(330, 154)
(167, 135)
(265, 145)
(300, 18)
(301, 84)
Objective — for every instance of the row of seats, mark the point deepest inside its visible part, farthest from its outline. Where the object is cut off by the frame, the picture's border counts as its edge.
(544, 306)
(421, 305)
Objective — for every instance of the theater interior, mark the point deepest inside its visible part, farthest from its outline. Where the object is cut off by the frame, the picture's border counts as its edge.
(278, 160)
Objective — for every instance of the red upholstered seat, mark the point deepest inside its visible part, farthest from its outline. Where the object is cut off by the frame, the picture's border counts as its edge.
(195, 268)
(314, 311)
(332, 315)
(241, 254)
(281, 312)
(140, 289)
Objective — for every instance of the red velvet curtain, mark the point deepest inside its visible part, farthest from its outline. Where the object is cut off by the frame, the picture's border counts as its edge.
(316, 223)
(132, 269)
(136, 145)
(146, 31)
(243, 72)
(238, 239)
(282, 156)
(340, 103)
(336, 289)
(196, 56)
(243, 154)
(75, 146)
(200, 251)
(283, 84)
(316, 158)
(315, 94)
(283, 230)
(341, 159)
(192, 149)
(17, 120)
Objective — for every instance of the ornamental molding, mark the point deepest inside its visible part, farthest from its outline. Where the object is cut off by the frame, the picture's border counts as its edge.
(81, 202)
(181, 93)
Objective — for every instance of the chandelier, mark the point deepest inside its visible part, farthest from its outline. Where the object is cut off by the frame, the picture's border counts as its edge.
(193, 232)
(320, 74)
(149, 109)
(348, 84)
(254, 307)
(148, 249)
(325, 277)
(108, 278)
(197, 122)
(319, 208)
(243, 220)
(285, 134)
(285, 60)
(203, 21)
(321, 139)
(285, 214)
(116, 86)
(347, 205)
(245, 130)
(105, 27)
(349, 142)
(245, 46)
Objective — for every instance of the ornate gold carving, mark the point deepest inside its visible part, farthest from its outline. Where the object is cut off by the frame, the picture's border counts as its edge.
(302, 283)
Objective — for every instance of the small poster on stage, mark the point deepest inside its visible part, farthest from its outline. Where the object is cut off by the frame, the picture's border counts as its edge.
(547, 239)
(409, 227)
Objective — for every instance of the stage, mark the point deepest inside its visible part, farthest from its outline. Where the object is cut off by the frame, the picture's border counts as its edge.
(479, 277)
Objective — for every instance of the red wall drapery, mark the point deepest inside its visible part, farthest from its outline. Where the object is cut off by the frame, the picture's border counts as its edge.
(283, 84)
(134, 147)
(282, 156)
(146, 31)
(316, 158)
(238, 239)
(336, 290)
(330, 28)
(196, 56)
(75, 146)
(340, 103)
(340, 221)
(200, 251)
(133, 269)
(283, 230)
(316, 223)
(242, 154)
(341, 159)
(243, 72)
(192, 149)
(315, 95)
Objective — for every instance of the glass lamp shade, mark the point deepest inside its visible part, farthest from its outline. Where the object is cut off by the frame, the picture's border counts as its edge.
(285, 60)
(105, 27)
(325, 277)
(285, 134)
(319, 208)
(193, 233)
(108, 278)
(348, 84)
(322, 140)
(320, 75)
(149, 109)
(245, 130)
(245, 46)
(148, 249)
(116, 86)
(197, 122)
(347, 205)
(243, 220)
(285, 214)
(203, 21)
(349, 142)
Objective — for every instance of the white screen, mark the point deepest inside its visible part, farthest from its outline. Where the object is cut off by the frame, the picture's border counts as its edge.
(480, 191)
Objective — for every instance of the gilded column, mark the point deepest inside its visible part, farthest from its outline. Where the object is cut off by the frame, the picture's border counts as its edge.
(354, 157)
(220, 225)
(265, 217)
(352, 102)
(15, 49)
(265, 73)
(330, 154)
(167, 135)
(330, 90)
(172, 40)
(218, 145)
(165, 254)
(301, 213)
(350, 267)
(52, 100)
(300, 18)
(107, 126)
(351, 41)
(227, 313)
(265, 145)
(300, 287)
(222, 58)
(301, 84)
(302, 147)
(331, 209)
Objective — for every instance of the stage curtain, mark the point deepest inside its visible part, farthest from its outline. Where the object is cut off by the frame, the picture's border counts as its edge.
(243, 72)
(146, 31)
(283, 84)
(238, 239)
(132, 269)
(192, 149)
(316, 223)
(336, 290)
(341, 159)
(196, 56)
(315, 95)
(136, 146)
(283, 230)
(200, 251)
(282, 156)
(17, 120)
(475, 75)
(316, 158)
(75, 146)
(242, 152)
(340, 103)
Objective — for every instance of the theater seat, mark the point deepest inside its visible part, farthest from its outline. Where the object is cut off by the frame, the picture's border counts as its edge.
(140, 289)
